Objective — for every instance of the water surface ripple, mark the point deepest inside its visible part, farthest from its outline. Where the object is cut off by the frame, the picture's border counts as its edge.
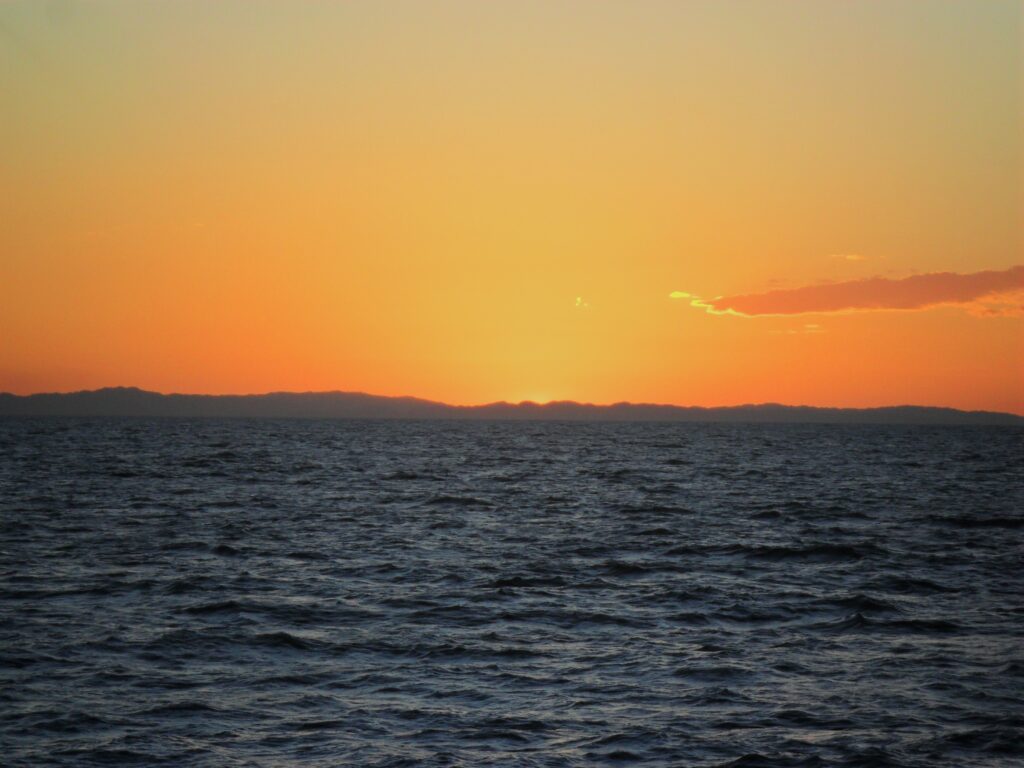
(268, 593)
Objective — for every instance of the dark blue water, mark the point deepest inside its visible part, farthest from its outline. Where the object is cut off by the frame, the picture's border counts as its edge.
(271, 593)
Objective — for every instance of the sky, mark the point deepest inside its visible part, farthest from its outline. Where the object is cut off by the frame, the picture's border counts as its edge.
(700, 203)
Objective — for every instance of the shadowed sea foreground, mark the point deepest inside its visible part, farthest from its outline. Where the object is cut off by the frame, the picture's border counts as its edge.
(267, 593)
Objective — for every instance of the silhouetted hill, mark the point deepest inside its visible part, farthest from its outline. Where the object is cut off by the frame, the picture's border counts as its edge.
(129, 401)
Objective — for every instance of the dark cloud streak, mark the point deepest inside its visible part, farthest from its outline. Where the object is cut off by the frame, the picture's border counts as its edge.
(875, 293)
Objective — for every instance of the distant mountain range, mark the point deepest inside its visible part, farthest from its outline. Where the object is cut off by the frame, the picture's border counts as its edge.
(132, 402)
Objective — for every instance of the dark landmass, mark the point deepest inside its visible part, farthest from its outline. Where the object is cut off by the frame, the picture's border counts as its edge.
(132, 402)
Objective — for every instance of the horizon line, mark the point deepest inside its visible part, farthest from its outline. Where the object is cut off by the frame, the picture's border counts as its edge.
(511, 403)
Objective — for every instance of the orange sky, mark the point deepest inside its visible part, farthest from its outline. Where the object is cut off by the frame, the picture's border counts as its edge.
(480, 201)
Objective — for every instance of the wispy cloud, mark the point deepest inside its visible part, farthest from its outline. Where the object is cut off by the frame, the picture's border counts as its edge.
(992, 292)
(848, 256)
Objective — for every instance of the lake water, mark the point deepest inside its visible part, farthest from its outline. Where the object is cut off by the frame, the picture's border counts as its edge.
(271, 593)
